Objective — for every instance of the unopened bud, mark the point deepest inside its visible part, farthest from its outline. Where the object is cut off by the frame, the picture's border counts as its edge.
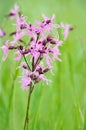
(44, 42)
(52, 42)
(12, 47)
(49, 38)
(46, 70)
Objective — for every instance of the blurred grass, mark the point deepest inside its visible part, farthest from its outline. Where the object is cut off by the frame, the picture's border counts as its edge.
(62, 104)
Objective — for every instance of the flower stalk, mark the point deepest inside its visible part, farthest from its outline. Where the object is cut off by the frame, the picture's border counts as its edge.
(26, 122)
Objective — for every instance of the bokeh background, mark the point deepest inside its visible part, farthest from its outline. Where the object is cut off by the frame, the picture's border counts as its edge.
(62, 104)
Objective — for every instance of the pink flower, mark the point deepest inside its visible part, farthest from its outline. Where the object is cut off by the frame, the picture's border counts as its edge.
(21, 22)
(47, 24)
(5, 50)
(19, 56)
(66, 30)
(13, 12)
(25, 81)
(39, 46)
(2, 33)
(42, 77)
(18, 36)
(56, 53)
(16, 9)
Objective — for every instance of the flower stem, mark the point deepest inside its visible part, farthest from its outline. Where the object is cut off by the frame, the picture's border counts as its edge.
(26, 62)
(27, 110)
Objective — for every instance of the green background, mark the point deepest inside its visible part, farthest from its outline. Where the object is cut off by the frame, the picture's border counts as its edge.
(62, 104)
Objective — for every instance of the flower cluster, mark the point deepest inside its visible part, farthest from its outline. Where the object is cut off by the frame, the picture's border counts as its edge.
(40, 46)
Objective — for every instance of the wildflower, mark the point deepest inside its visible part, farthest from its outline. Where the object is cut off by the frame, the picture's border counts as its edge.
(25, 81)
(48, 23)
(38, 47)
(41, 45)
(66, 28)
(13, 12)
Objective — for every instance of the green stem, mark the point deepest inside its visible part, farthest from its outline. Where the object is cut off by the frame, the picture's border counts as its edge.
(26, 122)
(26, 62)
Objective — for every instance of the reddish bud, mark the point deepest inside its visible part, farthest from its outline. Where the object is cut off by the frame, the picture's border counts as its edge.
(24, 66)
(49, 38)
(39, 42)
(13, 33)
(52, 42)
(44, 42)
(46, 70)
(48, 21)
(71, 28)
(10, 14)
(20, 40)
(12, 47)
(20, 47)
(23, 26)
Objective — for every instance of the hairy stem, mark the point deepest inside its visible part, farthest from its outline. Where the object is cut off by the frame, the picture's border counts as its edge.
(27, 110)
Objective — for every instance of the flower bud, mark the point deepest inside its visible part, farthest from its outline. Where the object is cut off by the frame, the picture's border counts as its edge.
(13, 33)
(46, 70)
(12, 47)
(53, 42)
(49, 38)
(44, 42)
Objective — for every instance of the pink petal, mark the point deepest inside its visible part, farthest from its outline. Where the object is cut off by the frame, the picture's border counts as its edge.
(19, 56)
(53, 17)
(25, 81)
(5, 50)
(42, 77)
(44, 17)
(66, 32)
